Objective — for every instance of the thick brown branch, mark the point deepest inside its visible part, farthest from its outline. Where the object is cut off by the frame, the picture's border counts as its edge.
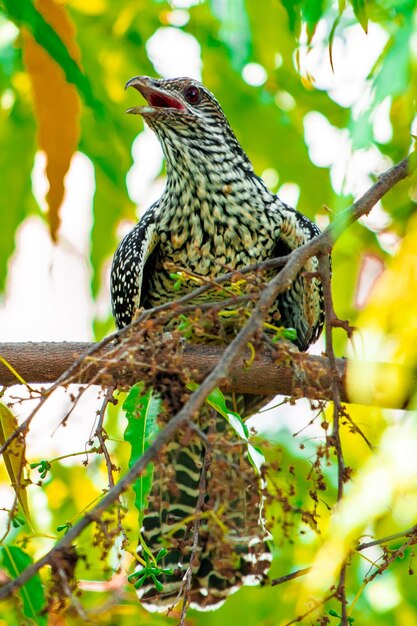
(304, 375)
(300, 375)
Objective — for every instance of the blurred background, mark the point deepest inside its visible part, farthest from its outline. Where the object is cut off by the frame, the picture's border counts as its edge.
(321, 96)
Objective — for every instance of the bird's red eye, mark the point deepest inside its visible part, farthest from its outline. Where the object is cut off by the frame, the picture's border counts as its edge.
(192, 95)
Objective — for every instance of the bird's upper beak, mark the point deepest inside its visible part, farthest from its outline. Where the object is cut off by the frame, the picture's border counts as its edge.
(156, 96)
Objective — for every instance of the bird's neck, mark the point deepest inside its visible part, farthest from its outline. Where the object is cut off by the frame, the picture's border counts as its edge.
(211, 173)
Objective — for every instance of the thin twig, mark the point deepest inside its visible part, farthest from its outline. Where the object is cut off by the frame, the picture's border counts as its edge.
(361, 546)
(330, 317)
(316, 606)
(284, 579)
(99, 433)
(72, 597)
(377, 542)
(387, 562)
(108, 397)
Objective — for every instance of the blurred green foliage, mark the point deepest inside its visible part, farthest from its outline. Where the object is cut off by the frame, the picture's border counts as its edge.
(14, 560)
(271, 121)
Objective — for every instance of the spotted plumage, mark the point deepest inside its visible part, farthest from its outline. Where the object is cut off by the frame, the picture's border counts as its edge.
(215, 215)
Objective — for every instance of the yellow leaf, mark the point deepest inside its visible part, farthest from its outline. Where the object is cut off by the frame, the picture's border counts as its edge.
(14, 457)
(56, 104)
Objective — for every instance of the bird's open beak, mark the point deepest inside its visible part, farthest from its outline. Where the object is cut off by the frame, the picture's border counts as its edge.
(156, 96)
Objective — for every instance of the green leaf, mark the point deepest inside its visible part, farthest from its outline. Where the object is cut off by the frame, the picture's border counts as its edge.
(24, 13)
(142, 410)
(218, 402)
(312, 12)
(359, 9)
(15, 561)
(293, 13)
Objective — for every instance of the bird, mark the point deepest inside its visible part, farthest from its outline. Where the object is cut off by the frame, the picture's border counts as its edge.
(214, 216)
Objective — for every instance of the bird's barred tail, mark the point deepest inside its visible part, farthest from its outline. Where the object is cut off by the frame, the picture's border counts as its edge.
(231, 548)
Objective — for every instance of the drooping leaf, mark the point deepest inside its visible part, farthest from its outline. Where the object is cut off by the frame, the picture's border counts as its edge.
(15, 561)
(56, 103)
(14, 457)
(293, 13)
(24, 13)
(142, 409)
(217, 401)
(359, 9)
(312, 12)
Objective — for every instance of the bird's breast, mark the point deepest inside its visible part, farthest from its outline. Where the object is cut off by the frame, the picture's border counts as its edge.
(214, 239)
(205, 238)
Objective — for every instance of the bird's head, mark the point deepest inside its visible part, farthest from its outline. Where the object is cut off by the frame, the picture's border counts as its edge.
(186, 116)
(176, 102)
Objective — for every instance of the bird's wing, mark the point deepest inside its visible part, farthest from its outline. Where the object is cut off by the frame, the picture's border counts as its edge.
(128, 268)
(301, 306)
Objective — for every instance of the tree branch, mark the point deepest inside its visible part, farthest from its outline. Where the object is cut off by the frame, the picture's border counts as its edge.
(296, 374)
